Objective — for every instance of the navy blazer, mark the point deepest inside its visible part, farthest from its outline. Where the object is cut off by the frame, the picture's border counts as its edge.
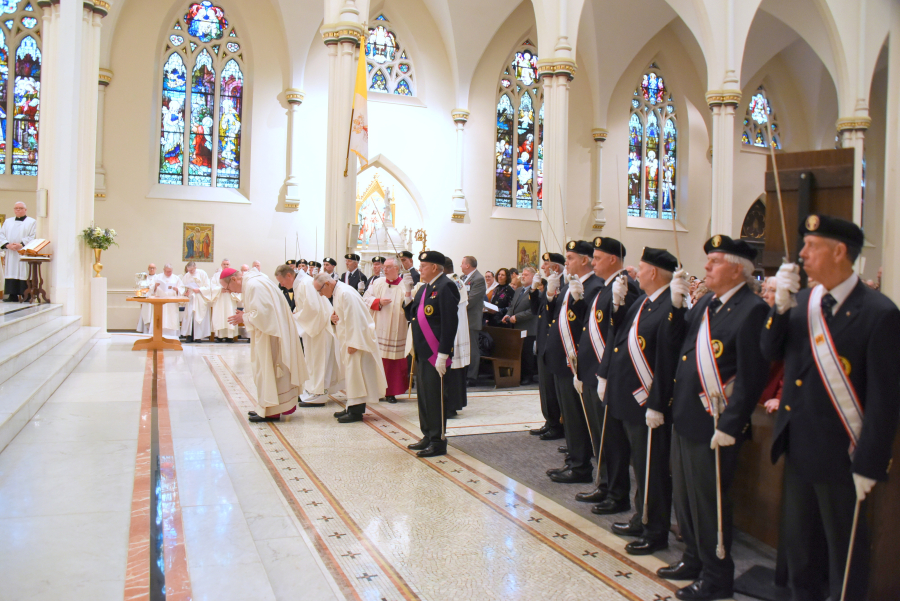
(440, 306)
(554, 355)
(588, 361)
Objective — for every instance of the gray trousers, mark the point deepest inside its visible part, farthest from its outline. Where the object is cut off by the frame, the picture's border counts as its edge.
(474, 354)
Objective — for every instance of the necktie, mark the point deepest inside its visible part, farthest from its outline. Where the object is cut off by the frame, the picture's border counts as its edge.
(828, 303)
(714, 305)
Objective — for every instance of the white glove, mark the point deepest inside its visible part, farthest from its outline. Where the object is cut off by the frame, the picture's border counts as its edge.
(863, 486)
(440, 364)
(720, 439)
(552, 284)
(576, 288)
(408, 281)
(578, 386)
(787, 283)
(679, 288)
(535, 281)
(601, 387)
(620, 289)
(654, 419)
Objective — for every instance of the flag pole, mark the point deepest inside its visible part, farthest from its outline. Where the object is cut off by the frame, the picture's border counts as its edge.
(349, 136)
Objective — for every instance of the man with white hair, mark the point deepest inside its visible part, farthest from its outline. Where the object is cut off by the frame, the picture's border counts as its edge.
(257, 266)
(279, 368)
(14, 235)
(195, 323)
(145, 319)
(224, 305)
(720, 376)
(168, 285)
(358, 347)
(385, 299)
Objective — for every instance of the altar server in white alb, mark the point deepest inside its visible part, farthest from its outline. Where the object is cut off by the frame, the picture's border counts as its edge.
(455, 378)
(384, 299)
(358, 347)
(279, 368)
(197, 286)
(14, 235)
(145, 319)
(224, 305)
(168, 285)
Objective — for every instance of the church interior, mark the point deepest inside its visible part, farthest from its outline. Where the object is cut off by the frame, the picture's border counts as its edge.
(203, 131)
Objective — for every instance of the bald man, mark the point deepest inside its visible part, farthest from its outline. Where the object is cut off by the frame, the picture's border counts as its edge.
(14, 235)
(145, 319)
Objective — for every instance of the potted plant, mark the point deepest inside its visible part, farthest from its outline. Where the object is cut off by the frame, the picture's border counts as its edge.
(99, 239)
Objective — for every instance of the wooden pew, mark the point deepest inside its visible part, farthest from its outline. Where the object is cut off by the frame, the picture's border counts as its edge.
(506, 356)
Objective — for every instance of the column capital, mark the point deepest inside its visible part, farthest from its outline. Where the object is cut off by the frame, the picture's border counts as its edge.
(105, 77)
(294, 96)
(599, 134)
(343, 31)
(460, 115)
(720, 97)
(556, 66)
(853, 124)
(100, 7)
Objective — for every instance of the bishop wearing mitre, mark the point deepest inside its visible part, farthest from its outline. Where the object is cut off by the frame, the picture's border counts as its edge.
(358, 347)
(168, 285)
(224, 305)
(14, 235)
(278, 365)
(384, 299)
(199, 289)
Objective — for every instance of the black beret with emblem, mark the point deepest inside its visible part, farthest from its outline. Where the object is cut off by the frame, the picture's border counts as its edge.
(290, 262)
(302, 262)
(835, 228)
(610, 246)
(378, 259)
(580, 247)
(352, 257)
(554, 258)
(329, 260)
(659, 257)
(405, 254)
(431, 256)
(724, 244)
(315, 264)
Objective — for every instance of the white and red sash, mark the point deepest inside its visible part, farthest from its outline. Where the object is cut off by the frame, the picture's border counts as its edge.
(710, 378)
(639, 360)
(597, 340)
(839, 387)
(565, 332)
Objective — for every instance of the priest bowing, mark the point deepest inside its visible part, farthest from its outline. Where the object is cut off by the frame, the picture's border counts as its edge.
(14, 235)
(385, 299)
(279, 368)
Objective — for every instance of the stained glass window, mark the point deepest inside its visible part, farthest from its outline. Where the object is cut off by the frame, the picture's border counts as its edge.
(652, 152)
(4, 80)
(520, 120)
(384, 52)
(759, 120)
(201, 123)
(20, 88)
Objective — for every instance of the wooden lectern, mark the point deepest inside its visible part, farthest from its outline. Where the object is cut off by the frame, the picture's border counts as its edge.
(157, 342)
(33, 257)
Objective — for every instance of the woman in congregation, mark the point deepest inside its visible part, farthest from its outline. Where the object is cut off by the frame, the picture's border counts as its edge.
(502, 297)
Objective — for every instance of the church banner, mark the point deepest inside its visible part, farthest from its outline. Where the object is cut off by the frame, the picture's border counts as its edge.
(359, 126)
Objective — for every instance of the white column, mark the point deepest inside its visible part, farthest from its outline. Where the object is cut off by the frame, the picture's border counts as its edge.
(556, 75)
(292, 181)
(460, 116)
(853, 135)
(599, 135)
(100, 172)
(890, 254)
(723, 104)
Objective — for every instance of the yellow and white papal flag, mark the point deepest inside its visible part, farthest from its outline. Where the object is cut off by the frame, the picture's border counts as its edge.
(359, 125)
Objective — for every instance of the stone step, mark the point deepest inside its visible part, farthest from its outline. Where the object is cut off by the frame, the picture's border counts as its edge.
(22, 395)
(16, 318)
(20, 351)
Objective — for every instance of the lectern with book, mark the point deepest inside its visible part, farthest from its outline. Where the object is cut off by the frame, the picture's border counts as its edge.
(32, 255)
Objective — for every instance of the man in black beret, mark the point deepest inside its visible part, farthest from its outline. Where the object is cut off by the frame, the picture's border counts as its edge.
(353, 277)
(839, 407)
(303, 265)
(434, 319)
(721, 372)
(377, 270)
(636, 376)
(328, 264)
(552, 263)
(406, 260)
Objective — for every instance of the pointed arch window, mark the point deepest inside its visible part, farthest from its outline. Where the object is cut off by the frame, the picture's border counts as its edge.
(390, 68)
(652, 149)
(519, 149)
(759, 119)
(202, 100)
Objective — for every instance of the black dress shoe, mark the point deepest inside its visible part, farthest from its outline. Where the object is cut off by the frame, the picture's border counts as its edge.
(433, 450)
(556, 470)
(251, 413)
(391, 399)
(381, 400)
(450, 413)
(553, 435)
(595, 496)
(305, 404)
(539, 431)
(610, 506)
(627, 529)
(348, 418)
(678, 571)
(563, 449)
(259, 418)
(470, 382)
(569, 477)
(340, 413)
(418, 446)
(703, 590)
(646, 546)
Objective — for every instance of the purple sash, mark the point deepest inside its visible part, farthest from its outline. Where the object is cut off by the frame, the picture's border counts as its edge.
(430, 338)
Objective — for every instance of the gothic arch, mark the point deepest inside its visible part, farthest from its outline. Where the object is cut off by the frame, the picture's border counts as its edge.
(388, 165)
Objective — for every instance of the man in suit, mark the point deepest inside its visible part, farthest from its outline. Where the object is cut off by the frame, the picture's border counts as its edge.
(552, 428)
(520, 317)
(406, 260)
(720, 371)
(476, 288)
(353, 277)
(839, 407)
(434, 319)
(377, 270)
(328, 265)
(637, 380)
(607, 264)
(568, 302)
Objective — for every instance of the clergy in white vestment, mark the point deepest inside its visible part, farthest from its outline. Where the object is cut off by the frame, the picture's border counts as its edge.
(455, 378)
(225, 304)
(385, 299)
(199, 288)
(358, 346)
(14, 235)
(145, 319)
(168, 285)
(278, 365)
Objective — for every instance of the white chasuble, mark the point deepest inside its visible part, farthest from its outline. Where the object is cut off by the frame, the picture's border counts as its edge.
(390, 320)
(224, 305)
(276, 359)
(145, 319)
(196, 312)
(18, 232)
(169, 287)
(312, 315)
(363, 370)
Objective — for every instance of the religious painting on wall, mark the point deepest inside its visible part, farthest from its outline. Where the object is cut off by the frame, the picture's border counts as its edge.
(376, 207)
(197, 242)
(526, 254)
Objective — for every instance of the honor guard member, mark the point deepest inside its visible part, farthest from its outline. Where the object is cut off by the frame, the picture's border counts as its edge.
(607, 264)
(328, 265)
(839, 407)
(406, 259)
(637, 379)
(721, 371)
(552, 428)
(314, 268)
(303, 265)
(377, 270)
(434, 319)
(353, 277)
(568, 302)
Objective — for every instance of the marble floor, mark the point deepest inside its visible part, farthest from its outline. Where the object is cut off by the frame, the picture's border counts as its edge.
(302, 509)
